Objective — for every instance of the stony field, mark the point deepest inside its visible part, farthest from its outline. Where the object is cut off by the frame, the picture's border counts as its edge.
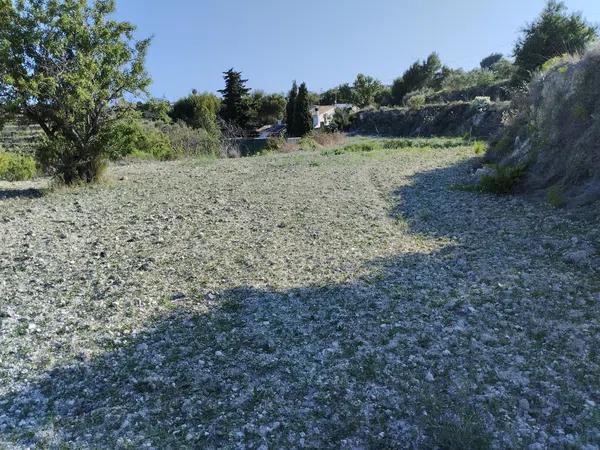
(311, 300)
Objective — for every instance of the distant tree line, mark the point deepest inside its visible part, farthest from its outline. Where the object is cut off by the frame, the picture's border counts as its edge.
(73, 82)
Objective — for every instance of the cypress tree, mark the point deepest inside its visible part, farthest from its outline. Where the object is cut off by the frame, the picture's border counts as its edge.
(303, 120)
(235, 105)
(290, 110)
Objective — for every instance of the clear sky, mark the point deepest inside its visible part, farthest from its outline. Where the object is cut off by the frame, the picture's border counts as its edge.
(324, 43)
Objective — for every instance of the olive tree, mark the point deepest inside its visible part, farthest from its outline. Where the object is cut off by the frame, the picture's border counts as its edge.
(67, 65)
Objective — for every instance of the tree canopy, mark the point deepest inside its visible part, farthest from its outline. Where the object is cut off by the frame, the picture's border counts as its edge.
(235, 107)
(553, 34)
(365, 89)
(66, 64)
(197, 111)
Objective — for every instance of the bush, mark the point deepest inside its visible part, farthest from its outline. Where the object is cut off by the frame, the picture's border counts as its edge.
(131, 137)
(192, 142)
(197, 111)
(503, 181)
(61, 159)
(15, 167)
(481, 103)
(459, 79)
(416, 101)
(275, 143)
(480, 147)
(329, 139)
(307, 142)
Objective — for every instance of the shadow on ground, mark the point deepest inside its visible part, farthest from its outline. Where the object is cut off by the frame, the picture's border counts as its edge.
(7, 194)
(451, 349)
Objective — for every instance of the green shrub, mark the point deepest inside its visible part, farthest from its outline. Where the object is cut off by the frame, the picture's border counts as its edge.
(480, 147)
(275, 143)
(15, 167)
(557, 61)
(459, 79)
(197, 110)
(481, 103)
(188, 141)
(130, 137)
(503, 181)
(308, 143)
(416, 101)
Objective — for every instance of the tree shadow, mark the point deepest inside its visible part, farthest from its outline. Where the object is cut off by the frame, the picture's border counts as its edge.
(427, 346)
(9, 194)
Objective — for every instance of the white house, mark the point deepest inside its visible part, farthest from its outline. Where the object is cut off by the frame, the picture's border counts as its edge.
(322, 115)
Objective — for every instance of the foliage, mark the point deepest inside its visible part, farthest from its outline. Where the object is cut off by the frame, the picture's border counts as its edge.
(554, 125)
(554, 33)
(290, 109)
(302, 118)
(459, 79)
(130, 137)
(416, 101)
(480, 147)
(198, 111)
(504, 69)
(503, 181)
(65, 65)
(342, 119)
(365, 89)
(275, 143)
(189, 141)
(231, 137)
(384, 97)
(307, 142)
(359, 147)
(235, 107)
(155, 109)
(481, 103)
(265, 109)
(15, 167)
(340, 94)
(329, 139)
(418, 75)
(435, 143)
(489, 61)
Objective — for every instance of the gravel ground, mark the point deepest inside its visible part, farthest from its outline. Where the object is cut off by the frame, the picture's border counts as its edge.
(297, 301)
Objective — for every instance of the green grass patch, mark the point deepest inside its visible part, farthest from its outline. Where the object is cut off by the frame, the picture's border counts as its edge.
(359, 147)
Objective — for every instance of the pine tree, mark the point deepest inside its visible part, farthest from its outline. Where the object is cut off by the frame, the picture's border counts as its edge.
(303, 120)
(290, 110)
(235, 104)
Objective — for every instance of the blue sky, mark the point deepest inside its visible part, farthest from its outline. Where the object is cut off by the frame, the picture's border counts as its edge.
(324, 43)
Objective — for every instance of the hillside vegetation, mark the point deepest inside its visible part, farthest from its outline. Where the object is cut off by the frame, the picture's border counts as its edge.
(554, 130)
